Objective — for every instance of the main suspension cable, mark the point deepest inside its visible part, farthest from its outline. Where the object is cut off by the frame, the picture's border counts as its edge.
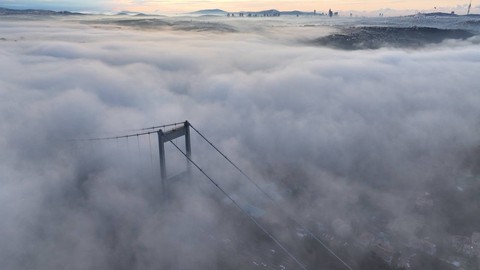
(231, 162)
(271, 198)
(241, 209)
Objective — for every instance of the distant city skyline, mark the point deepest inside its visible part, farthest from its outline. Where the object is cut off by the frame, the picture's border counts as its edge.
(172, 6)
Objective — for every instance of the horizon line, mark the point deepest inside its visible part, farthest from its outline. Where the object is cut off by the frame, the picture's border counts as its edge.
(158, 12)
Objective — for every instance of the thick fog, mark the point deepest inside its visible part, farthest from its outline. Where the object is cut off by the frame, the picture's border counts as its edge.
(346, 141)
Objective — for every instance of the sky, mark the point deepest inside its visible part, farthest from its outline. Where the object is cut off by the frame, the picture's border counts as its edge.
(337, 135)
(172, 6)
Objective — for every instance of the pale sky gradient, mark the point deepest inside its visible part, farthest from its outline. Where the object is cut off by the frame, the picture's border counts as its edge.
(169, 6)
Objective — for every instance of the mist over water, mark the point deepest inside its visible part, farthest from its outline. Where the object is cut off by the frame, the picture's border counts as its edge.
(354, 144)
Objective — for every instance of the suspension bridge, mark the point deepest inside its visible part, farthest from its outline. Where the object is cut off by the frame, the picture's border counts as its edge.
(170, 134)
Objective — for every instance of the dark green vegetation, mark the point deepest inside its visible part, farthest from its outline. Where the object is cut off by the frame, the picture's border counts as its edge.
(358, 38)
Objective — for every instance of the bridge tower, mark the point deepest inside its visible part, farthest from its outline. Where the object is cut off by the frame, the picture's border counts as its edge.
(168, 136)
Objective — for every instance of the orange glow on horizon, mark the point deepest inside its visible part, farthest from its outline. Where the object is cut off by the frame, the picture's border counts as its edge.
(171, 6)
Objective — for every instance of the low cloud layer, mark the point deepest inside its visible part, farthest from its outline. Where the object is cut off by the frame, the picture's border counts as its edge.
(338, 137)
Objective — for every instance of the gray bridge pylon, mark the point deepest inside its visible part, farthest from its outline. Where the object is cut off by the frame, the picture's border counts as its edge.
(165, 137)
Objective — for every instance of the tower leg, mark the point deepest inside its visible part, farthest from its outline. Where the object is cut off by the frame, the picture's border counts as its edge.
(163, 167)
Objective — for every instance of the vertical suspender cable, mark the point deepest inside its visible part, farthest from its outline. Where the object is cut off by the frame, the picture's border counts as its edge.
(151, 155)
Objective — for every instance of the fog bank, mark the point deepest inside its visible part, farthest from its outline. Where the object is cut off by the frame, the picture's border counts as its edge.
(348, 141)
